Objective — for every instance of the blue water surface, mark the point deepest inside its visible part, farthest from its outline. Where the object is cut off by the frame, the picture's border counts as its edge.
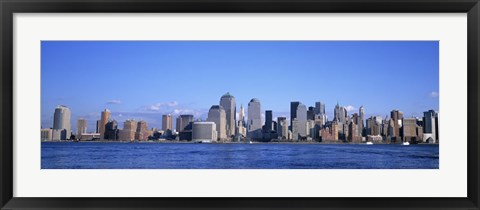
(97, 155)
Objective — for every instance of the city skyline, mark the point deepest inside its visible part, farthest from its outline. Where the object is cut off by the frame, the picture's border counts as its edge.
(143, 80)
(311, 122)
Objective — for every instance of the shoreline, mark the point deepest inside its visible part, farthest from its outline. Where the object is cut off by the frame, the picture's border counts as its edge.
(191, 142)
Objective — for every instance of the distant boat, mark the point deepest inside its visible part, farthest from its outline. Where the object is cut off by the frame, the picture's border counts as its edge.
(250, 142)
(369, 143)
(405, 143)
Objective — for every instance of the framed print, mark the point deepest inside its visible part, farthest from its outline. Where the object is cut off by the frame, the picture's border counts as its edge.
(239, 105)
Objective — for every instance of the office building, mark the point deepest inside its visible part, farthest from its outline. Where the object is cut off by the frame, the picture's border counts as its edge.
(61, 123)
(396, 117)
(430, 125)
(268, 121)
(340, 114)
(330, 132)
(319, 108)
(241, 124)
(104, 118)
(142, 133)
(282, 128)
(353, 134)
(373, 126)
(319, 122)
(301, 122)
(111, 131)
(217, 115)
(360, 124)
(167, 122)
(311, 128)
(227, 101)
(311, 113)
(204, 132)
(81, 128)
(293, 111)
(46, 134)
(184, 122)
(184, 127)
(128, 131)
(254, 124)
(409, 130)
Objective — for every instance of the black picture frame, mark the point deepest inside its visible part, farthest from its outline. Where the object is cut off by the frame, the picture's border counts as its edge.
(9, 7)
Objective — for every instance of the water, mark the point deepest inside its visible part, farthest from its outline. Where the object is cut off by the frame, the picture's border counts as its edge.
(96, 155)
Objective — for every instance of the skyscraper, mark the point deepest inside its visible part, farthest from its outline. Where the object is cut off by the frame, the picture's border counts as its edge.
(183, 121)
(353, 134)
(217, 115)
(111, 130)
(105, 116)
(268, 121)
(61, 123)
(319, 108)
(282, 128)
(81, 127)
(241, 115)
(301, 118)
(184, 127)
(429, 121)
(241, 125)
(293, 111)
(227, 101)
(311, 113)
(373, 126)
(254, 119)
(396, 117)
(340, 114)
(361, 112)
(167, 123)
(409, 131)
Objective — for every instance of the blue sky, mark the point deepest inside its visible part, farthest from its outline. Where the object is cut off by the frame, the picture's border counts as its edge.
(145, 79)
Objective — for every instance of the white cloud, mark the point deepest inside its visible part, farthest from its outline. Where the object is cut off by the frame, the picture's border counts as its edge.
(162, 106)
(182, 111)
(350, 108)
(433, 94)
(114, 102)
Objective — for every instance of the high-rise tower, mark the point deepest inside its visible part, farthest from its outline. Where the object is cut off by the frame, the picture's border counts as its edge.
(227, 101)
(167, 123)
(301, 122)
(254, 119)
(361, 113)
(81, 127)
(217, 115)
(105, 116)
(61, 123)
(293, 111)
